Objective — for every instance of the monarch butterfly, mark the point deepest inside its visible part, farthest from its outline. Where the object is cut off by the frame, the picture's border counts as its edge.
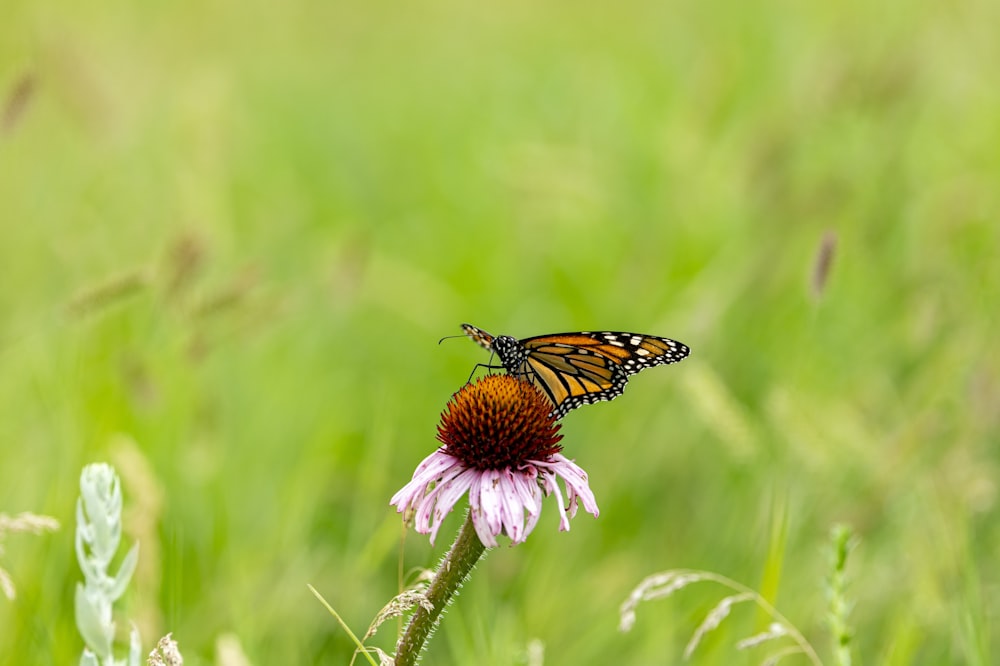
(575, 369)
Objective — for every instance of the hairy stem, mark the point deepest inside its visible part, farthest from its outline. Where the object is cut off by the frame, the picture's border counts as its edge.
(454, 569)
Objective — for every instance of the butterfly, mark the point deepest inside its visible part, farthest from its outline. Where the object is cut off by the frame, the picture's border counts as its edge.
(575, 369)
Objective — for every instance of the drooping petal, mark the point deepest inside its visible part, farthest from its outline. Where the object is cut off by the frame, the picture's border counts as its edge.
(526, 483)
(476, 511)
(489, 501)
(426, 504)
(451, 492)
(536, 496)
(437, 460)
(576, 481)
(433, 468)
(551, 486)
(483, 529)
(511, 507)
(474, 485)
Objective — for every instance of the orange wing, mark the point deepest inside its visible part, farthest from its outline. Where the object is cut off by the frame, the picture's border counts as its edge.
(575, 369)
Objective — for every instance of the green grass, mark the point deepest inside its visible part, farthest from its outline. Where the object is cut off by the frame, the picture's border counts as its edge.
(353, 181)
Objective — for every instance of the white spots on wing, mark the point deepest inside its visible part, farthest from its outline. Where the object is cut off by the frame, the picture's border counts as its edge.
(635, 341)
(613, 339)
(642, 352)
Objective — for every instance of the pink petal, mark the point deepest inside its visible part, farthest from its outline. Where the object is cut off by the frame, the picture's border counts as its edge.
(577, 485)
(476, 511)
(482, 529)
(512, 509)
(432, 468)
(422, 518)
(526, 485)
(489, 501)
(537, 495)
(451, 492)
(551, 486)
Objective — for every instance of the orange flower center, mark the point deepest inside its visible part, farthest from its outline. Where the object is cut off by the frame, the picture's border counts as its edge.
(497, 422)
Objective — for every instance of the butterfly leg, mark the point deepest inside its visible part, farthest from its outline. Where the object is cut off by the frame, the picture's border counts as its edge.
(482, 365)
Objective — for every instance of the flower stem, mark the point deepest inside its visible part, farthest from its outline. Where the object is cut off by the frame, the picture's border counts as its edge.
(452, 572)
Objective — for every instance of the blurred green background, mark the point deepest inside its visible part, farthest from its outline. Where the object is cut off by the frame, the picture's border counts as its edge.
(232, 233)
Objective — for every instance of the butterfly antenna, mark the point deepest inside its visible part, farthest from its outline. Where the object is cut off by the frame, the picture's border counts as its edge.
(449, 337)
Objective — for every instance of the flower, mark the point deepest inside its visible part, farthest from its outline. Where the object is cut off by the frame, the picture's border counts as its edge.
(501, 444)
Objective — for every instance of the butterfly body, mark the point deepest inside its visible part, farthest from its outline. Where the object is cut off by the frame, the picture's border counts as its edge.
(575, 369)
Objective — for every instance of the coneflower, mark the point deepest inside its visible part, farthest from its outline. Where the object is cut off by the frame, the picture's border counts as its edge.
(500, 444)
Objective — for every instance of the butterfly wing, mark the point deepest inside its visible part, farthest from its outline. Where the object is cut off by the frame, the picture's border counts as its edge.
(576, 369)
(479, 336)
